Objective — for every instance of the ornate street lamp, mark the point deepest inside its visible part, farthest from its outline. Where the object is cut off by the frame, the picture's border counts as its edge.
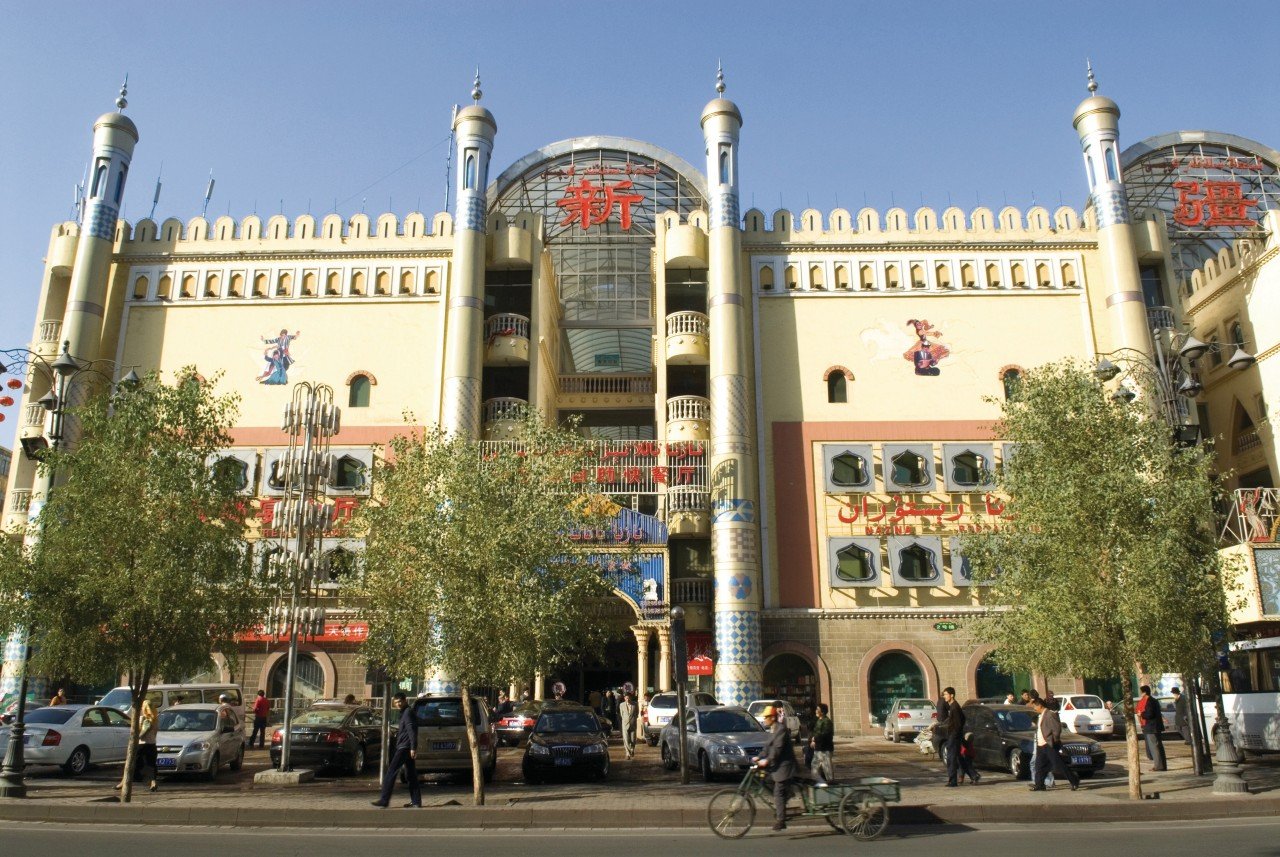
(62, 375)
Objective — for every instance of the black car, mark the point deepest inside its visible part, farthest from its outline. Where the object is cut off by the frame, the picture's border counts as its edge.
(334, 735)
(514, 727)
(567, 739)
(1004, 737)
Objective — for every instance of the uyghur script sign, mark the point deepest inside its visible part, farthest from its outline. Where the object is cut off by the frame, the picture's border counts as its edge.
(1206, 202)
(900, 516)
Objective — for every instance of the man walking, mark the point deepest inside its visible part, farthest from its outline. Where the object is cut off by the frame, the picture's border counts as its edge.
(1048, 745)
(627, 712)
(823, 744)
(261, 710)
(953, 728)
(1180, 712)
(406, 751)
(779, 758)
(1152, 727)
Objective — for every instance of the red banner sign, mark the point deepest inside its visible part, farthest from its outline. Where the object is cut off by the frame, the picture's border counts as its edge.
(334, 632)
(589, 204)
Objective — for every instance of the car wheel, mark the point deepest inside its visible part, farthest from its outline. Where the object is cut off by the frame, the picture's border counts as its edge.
(214, 764)
(704, 765)
(897, 736)
(238, 762)
(356, 765)
(78, 762)
(886, 734)
(670, 760)
(1016, 766)
(530, 777)
(603, 773)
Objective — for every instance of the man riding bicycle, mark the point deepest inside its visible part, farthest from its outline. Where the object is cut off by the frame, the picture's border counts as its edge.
(778, 757)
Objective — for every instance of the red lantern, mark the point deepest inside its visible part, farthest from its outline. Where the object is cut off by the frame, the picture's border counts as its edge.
(6, 401)
(1, 418)
(14, 383)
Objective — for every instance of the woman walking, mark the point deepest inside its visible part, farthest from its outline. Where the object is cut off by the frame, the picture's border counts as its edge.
(145, 753)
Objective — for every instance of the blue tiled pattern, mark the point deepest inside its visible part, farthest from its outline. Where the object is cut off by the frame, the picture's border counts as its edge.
(1111, 206)
(101, 221)
(730, 692)
(738, 636)
(471, 213)
(743, 511)
(724, 209)
(442, 686)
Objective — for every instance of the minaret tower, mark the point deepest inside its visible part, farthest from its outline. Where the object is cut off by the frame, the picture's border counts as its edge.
(735, 534)
(1097, 121)
(475, 129)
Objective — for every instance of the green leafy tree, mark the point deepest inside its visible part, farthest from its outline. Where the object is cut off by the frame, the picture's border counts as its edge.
(1111, 564)
(139, 566)
(471, 567)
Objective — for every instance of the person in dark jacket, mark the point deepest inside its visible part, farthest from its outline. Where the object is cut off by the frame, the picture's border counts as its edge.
(823, 744)
(953, 726)
(406, 750)
(778, 757)
(609, 708)
(1181, 712)
(1152, 727)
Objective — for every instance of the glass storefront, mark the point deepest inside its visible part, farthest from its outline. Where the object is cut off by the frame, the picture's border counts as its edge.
(790, 678)
(893, 675)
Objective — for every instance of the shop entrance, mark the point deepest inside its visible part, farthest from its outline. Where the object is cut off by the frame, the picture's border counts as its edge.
(992, 683)
(893, 675)
(615, 667)
(791, 678)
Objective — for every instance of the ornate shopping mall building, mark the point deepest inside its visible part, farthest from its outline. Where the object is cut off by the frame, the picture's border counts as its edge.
(796, 408)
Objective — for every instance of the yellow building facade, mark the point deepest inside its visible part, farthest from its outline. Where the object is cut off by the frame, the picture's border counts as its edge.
(795, 409)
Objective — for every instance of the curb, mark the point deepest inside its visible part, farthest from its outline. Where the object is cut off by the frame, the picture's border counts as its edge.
(498, 818)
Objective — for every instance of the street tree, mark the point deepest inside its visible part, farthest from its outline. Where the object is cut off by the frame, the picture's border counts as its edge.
(136, 564)
(473, 564)
(1110, 564)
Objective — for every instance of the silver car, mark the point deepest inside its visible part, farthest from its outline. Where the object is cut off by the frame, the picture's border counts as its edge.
(909, 716)
(719, 740)
(193, 739)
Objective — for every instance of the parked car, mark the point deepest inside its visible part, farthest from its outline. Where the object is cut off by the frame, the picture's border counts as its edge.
(909, 716)
(1085, 714)
(661, 710)
(566, 739)
(1004, 738)
(163, 696)
(73, 736)
(718, 740)
(332, 735)
(442, 737)
(514, 728)
(193, 740)
(792, 717)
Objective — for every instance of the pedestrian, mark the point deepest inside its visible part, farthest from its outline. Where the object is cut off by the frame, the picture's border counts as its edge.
(406, 751)
(1028, 696)
(261, 710)
(778, 757)
(968, 755)
(505, 706)
(822, 744)
(609, 707)
(59, 698)
(148, 728)
(1052, 702)
(1180, 723)
(939, 731)
(953, 724)
(1048, 755)
(1009, 699)
(593, 702)
(1152, 727)
(226, 714)
(349, 699)
(524, 696)
(627, 713)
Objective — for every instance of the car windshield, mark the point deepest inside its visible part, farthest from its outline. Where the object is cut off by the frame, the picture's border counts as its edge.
(526, 711)
(756, 707)
(187, 721)
(443, 712)
(724, 720)
(567, 721)
(118, 698)
(321, 717)
(663, 700)
(50, 715)
(1085, 702)
(915, 703)
(1016, 721)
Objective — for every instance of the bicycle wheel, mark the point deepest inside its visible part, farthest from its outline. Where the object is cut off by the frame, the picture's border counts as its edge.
(863, 815)
(730, 814)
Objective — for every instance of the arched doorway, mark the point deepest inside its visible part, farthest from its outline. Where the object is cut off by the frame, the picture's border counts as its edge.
(791, 678)
(991, 682)
(308, 678)
(894, 674)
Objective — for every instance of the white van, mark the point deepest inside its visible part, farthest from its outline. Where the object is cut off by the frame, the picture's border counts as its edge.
(163, 696)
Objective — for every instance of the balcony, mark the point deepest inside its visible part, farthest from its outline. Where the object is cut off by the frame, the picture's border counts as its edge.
(502, 418)
(506, 339)
(33, 415)
(623, 385)
(695, 595)
(48, 337)
(688, 343)
(688, 510)
(19, 501)
(688, 418)
(1160, 318)
(1246, 441)
(1252, 517)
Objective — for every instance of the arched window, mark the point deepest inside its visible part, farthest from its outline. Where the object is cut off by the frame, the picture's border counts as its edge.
(358, 397)
(917, 277)
(237, 285)
(993, 276)
(1113, 172)
(357, 283)
(866, 278)
(232, 471)
(99, 180)
(469, 175)
(842, 277)
(815, 277)
(893, 675)
(1019, 275)
(331, 285)
(891, 276)
(124, 171)
(349, 473)
(766, 278)
(140, 289)
(1012, 379)
(966, 276)
(308, 678)
(724, 165)
(836, 392)
(793, 280)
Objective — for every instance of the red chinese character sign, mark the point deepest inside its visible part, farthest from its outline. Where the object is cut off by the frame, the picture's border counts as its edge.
(1212, 203)
(589, 204)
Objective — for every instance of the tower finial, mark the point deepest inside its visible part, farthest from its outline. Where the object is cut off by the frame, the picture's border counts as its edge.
(121, 100)
(475, 87)
(719, 78)
(1093, 84)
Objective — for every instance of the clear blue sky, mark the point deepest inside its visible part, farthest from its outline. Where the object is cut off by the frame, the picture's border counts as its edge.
(298, 104)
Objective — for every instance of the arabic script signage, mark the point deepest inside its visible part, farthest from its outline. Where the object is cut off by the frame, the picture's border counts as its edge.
(900, 516)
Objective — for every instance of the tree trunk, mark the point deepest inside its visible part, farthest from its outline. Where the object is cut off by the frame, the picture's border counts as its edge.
(137, 691)
(477, 777)
(1131, 745)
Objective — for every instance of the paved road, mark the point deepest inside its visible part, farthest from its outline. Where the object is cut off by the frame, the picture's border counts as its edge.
(1248, 838)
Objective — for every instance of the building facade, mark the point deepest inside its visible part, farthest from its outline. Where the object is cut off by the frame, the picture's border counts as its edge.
(795, 410)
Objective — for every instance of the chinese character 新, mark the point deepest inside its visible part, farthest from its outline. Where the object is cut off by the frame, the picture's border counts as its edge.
(590, 205)
(1212, 203)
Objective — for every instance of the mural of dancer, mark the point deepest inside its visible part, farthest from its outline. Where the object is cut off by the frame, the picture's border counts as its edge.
(927, 353)
(276, 357)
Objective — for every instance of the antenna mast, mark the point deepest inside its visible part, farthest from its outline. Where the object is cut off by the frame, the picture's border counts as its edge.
(156, 199)
(208, 194)
(448, 158)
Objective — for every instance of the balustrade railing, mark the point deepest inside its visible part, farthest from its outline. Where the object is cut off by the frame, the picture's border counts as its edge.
(687, 322)
(505, 408)
(1246, 440)
(688, 498)
(620, 384)
(34, 414)
(688, 408)
(1160, 318)
(50, 331)
(506, 324)
(690, 590)
(20, 501)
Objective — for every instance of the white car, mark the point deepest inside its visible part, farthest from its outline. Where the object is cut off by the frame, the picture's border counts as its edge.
(661, 710)
(1085, 714)
(193, 740)
(909, 716)
(73, 736)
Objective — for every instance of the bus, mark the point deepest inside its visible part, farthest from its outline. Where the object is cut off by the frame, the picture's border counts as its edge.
(1251, 693)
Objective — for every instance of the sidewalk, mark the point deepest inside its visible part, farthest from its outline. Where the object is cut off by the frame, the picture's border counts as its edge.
(638, 794)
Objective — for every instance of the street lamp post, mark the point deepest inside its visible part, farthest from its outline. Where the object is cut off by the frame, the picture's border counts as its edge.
(1170, 374)
(62, 374)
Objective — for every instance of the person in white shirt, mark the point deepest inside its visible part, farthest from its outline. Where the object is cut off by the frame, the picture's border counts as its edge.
(1048, 747)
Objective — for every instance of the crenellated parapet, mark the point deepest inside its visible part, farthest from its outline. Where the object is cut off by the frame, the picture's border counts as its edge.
(148, 236)
(1235, 260)
(981, 224)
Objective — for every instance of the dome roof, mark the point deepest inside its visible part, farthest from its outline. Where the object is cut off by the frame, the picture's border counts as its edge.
(1095, 104)
(721, 105)
(117, 120)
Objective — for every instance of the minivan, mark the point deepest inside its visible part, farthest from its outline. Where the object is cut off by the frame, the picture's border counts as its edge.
(163, 696)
